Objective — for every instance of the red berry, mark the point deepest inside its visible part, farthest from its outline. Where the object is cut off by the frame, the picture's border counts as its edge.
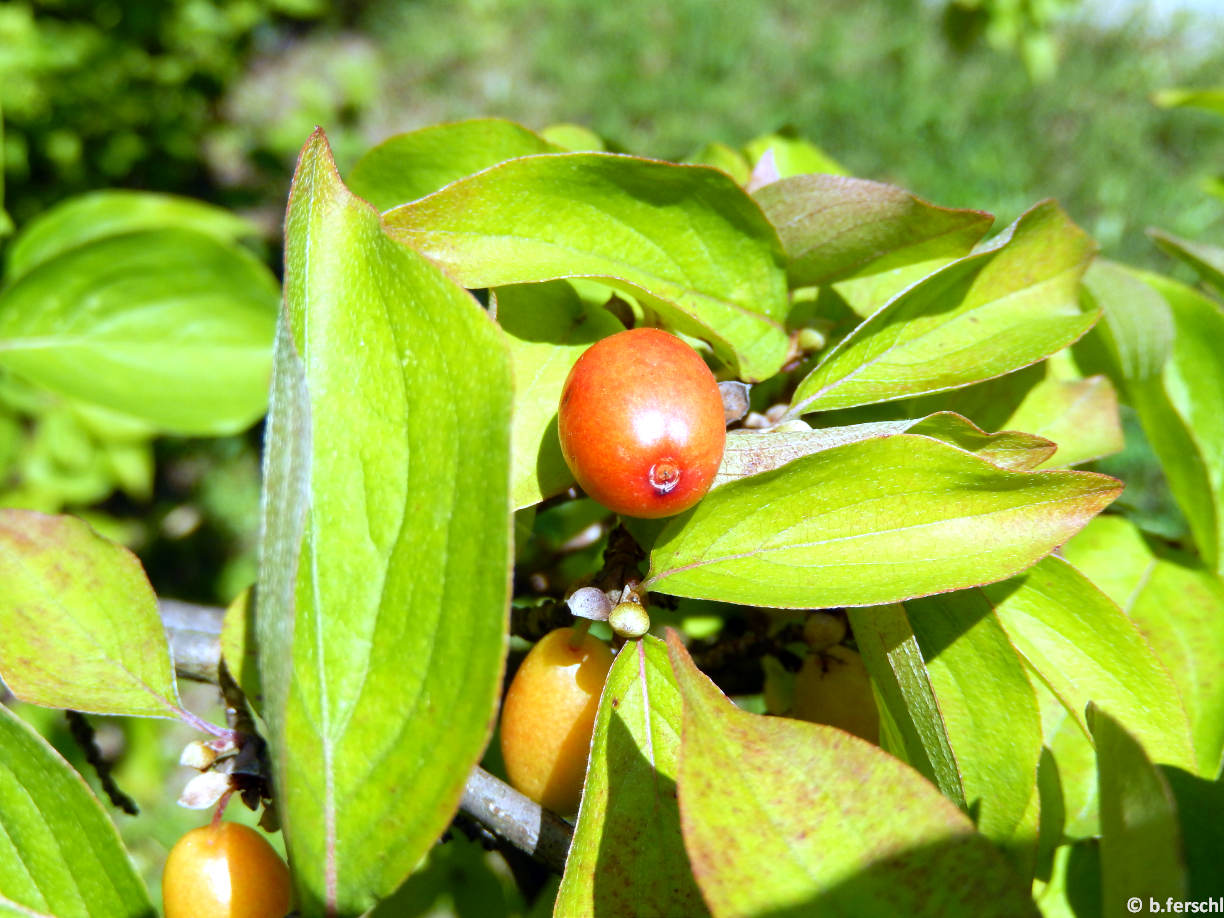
(641, 423)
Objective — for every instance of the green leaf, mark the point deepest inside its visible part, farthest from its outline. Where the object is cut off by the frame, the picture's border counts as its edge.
(1007, 449)
(548, 328)
(1141, 845)
(90, 217)
(1084, 648)
(409, 166)
(383, 586)
(573, 138)
(1175, 384)
(869, 523)
(1178, 606)
(685, 240)
(60, 855)
(959, 695)
(894, 661)
(627, 857)
(1074, 887)
(1079, 415)
(1136, 322)
(992, 312)
(1210, 99)
(238, 647)
(169, 326)
(1207, 260)
(751, 452)
(1068, 768)
(835, 228)
(79, 626)
(786, 817)
(723, 157)
(792, 155)
(989, 710)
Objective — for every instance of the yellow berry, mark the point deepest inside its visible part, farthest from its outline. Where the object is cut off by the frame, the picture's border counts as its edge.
(226, 870)
(833, 688)
(549, 715)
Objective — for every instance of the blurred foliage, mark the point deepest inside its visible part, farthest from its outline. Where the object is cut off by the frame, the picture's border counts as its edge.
(214, 97)
(99, 92)
(1023, 27)
(188, 506)
(878, 86)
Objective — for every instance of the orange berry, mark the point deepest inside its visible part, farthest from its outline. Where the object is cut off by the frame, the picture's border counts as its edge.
(549, 715)
(641, 423)
(226, 870)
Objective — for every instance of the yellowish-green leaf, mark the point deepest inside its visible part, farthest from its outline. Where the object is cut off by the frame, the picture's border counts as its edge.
(1178, 605)
(685, 240)
(627, 857)
(870, 522)
(548, 328)
(386, 548)
(1141, 842)
(78, 621)
(786, 817)
(60, 856)
(1084, 648)
(1006, 306)
(409, 166)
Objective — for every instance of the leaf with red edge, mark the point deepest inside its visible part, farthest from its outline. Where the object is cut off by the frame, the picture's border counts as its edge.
(1007, 305)
(875, 238)
(79, 626)
(628, 855)
(783, 817)
(868, 523)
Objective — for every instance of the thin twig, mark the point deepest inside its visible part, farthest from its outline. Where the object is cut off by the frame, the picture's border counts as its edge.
(83, 733)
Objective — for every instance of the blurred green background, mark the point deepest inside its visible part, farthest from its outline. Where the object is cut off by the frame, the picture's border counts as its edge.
(985, 103)
(992, 104)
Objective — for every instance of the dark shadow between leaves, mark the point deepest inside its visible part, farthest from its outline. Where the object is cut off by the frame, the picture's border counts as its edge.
(1053, 814)
(938, 621)
(1199, 805)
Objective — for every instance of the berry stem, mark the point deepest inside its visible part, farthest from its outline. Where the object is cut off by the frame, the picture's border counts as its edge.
(199, 723)
(578, 631)
(225, 798)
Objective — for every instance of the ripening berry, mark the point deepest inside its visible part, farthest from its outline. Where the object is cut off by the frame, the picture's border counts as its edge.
(823, 629)
(226, 870)
(549, 715)
(641, 423)
(833, 688)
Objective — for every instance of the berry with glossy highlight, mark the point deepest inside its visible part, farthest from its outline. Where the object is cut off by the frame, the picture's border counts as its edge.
(226, 870)
(549, 715)
(641, 423)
